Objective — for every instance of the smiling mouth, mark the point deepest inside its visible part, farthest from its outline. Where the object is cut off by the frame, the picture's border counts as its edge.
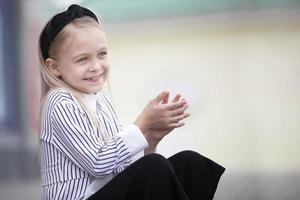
(93, 78)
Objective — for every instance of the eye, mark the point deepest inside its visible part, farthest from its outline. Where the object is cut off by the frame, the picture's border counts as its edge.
(102, 54)
(82, 60)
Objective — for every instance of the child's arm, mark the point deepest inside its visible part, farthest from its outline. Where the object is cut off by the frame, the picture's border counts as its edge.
(73, 135)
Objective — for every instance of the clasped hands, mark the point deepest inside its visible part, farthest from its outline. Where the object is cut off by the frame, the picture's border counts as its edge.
(160, 117)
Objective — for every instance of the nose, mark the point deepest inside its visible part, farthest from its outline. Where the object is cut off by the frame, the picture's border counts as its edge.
(96, 65)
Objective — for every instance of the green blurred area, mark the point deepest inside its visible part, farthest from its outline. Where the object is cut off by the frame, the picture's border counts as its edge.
(120, 10)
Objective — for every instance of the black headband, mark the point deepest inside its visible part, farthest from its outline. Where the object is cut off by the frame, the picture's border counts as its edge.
(58, 22)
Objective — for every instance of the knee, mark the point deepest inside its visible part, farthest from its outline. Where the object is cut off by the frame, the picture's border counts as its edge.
(154, 159)
(155, 162)
(189, 154)
(189, 157)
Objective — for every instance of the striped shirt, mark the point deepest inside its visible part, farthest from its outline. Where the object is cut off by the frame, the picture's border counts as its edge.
(75, 160)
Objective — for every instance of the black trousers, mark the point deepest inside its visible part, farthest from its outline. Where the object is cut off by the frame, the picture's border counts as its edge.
(185, 176)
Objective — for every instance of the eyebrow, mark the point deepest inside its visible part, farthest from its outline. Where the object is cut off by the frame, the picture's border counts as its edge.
(84, 53)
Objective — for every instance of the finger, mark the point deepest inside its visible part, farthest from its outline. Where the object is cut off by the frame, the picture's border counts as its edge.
(160, 97)
(178, 111)
(166, 98)
(176, 98)
(176, 125)
(175, 105)
(179, 118)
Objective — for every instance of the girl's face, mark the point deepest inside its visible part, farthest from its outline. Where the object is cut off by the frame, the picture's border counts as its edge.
(83, 62)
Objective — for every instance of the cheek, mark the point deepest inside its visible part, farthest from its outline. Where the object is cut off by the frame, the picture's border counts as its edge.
(106, 67)
(75, 74)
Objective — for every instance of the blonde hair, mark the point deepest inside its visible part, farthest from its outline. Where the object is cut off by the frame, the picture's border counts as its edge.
(50, 81)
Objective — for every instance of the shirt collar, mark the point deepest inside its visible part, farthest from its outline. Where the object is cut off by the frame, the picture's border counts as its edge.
(90, 100)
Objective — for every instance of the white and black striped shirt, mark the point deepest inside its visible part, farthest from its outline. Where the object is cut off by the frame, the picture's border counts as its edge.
(75, 161)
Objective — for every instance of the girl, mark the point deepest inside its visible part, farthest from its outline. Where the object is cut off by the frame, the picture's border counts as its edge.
(85, 153)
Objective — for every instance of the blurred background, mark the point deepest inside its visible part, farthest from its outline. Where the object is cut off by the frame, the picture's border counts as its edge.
(236, 61)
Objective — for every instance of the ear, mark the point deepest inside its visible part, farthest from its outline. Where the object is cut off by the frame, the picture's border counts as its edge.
(52, 67)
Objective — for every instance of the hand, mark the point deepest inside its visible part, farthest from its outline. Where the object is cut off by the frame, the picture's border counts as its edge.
(159, 114)
(155, 135)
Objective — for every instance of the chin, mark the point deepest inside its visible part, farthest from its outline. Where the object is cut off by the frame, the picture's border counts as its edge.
(93, 91)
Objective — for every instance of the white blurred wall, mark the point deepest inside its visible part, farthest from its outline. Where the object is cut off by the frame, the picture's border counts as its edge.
(240, 73)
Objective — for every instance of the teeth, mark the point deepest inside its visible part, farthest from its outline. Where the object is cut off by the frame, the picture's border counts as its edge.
(93, 78)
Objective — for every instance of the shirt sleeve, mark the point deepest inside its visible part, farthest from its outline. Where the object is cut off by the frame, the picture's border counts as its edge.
(131, 134)
(134, 140)
(80, 144)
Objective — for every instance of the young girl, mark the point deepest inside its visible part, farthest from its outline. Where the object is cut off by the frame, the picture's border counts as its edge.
(85, 153)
